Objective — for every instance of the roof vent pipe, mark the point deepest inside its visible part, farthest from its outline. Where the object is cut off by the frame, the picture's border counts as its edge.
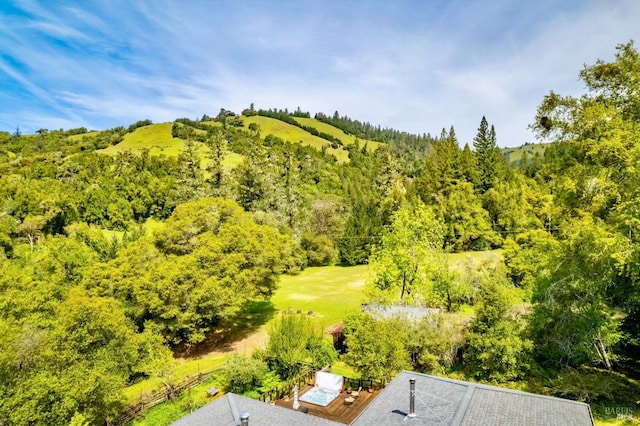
(244, 419)
(412, 398)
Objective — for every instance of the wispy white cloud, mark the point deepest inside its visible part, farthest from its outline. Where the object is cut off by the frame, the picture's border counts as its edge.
(415, 66)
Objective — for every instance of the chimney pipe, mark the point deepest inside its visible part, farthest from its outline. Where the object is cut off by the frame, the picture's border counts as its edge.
(244, 419)
(412, 398)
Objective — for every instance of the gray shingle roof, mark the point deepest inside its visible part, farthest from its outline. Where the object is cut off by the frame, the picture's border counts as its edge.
(225, 411)
(440, 401)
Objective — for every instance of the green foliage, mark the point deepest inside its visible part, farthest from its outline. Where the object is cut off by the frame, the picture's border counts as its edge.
(376, 347)
(496, 347)
(594, 386)
(74, 369)
(296, 344)
(525, 256)
(137, 124)
(468, 225)
(410, 260)
(243, 374)
(360, 233)
(491, 163)
(217, 145)
(572, 322)
(320, 249)
(448, 183)
(434, 343)
(202, 267)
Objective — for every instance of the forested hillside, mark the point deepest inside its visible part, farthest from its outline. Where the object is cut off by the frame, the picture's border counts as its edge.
(118, 245)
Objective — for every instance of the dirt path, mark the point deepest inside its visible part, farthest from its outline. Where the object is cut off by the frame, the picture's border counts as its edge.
(245, 345)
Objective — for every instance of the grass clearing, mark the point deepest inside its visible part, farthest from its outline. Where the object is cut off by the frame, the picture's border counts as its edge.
(158, 140)
(294, 134)
(79, 137)
(515, 154)
(329, 292)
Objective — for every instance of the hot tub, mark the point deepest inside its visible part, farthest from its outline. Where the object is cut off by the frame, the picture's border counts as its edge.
(319, 396)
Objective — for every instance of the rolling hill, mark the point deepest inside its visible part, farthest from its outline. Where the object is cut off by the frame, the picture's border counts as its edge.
(158, 140)
(293, 134)
(513, 155)
(335, 132)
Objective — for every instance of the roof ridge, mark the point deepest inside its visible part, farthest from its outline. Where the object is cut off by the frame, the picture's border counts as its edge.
(464, 404)
(234, 408)
(491, 387)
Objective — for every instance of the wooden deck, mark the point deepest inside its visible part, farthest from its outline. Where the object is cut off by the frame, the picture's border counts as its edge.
(337, 410)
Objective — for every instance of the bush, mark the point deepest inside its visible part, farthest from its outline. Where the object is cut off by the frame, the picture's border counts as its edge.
(295, 344)
(319, 249)
(243, 374)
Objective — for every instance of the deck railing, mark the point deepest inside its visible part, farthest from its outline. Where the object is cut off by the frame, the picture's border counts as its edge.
(286, 389)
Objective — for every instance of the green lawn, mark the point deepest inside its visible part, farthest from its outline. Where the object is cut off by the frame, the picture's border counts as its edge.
(337, 133)
(329, 292)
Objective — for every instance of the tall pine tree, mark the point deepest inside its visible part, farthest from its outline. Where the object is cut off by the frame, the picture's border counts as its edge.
(490, 160)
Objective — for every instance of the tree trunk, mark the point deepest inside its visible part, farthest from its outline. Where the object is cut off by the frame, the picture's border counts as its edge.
(603, 352)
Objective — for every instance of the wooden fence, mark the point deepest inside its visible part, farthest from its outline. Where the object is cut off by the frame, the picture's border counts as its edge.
(161, 395)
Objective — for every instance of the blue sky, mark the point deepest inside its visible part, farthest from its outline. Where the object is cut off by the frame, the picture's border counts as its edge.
(416, 66)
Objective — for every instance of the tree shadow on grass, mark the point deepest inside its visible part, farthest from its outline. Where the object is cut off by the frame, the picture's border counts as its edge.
(231, 330)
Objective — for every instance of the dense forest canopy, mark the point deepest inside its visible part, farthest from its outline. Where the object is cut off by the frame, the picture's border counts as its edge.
(112, 256)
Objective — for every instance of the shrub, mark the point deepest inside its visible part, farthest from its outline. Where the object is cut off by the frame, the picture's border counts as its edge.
(243, 374)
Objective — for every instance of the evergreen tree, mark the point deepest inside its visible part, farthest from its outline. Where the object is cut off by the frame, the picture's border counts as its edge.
(251, 178)
(490, 159)
(469, 166)
(190, 181)
(217, 145)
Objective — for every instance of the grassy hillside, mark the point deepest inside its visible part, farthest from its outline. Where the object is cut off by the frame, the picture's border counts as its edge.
(335, 132)
(91, 134)
(293, 134)
(158, 140)
(155, 137)
(515, 154)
